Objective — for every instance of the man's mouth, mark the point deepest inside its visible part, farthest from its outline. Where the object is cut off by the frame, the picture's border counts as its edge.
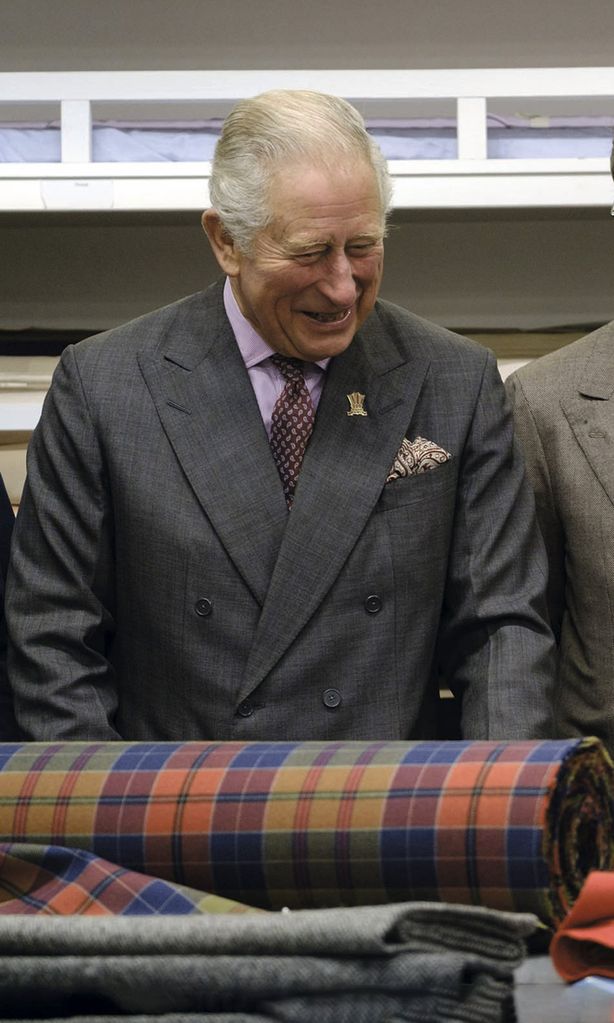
(329, 317)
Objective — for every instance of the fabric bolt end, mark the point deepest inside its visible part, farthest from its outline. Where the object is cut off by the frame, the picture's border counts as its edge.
(579, 821)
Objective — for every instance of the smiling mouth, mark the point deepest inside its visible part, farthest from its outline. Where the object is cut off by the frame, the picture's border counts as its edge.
(329, 317)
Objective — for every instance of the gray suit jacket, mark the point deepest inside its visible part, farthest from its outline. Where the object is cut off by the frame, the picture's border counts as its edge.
(159, 588)
(564, 409)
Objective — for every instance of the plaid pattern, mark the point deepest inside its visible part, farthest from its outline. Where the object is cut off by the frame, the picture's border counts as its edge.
(513, 826)
(65, 882)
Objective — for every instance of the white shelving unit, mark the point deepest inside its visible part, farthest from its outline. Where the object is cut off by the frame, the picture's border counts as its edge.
(469, 181)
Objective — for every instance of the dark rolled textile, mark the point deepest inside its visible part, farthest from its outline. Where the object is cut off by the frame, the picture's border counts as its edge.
(512, 826)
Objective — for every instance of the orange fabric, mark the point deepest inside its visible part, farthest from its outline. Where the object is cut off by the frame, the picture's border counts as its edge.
(584, 943)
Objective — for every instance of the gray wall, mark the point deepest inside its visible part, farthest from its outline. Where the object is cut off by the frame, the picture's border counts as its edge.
(49, 35)
(505, 270)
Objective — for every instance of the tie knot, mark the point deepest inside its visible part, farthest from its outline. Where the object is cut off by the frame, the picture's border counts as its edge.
(290, 369)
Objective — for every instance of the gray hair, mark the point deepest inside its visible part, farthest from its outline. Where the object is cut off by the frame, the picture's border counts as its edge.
(261, 133)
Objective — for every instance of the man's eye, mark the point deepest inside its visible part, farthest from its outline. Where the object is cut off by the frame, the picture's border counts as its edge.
(310, 257)
(362, 247)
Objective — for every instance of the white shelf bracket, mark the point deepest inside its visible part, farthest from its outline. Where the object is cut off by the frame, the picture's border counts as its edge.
(76, 131)
(472, 131)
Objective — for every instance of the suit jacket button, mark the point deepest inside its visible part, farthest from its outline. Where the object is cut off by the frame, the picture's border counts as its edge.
(203, 607)
(245, 709)
(331, 698)
(373, 604)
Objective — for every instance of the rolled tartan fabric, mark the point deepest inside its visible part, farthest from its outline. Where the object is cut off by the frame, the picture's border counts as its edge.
(511, 826)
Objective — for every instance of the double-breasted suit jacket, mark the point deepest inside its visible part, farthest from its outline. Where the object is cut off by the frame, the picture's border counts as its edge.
(160, 589)
(564, 409)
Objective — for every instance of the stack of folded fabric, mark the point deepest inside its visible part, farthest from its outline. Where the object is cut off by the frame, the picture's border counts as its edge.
(419, 963)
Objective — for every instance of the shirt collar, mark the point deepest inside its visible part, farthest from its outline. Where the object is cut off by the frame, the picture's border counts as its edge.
(253, 348)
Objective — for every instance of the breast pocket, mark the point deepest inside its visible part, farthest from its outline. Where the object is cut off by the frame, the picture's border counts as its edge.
(424, 489)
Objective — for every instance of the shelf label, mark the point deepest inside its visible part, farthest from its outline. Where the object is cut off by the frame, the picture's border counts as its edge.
(77, 194)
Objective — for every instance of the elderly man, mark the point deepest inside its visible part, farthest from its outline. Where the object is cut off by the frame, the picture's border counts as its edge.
(564, 410)
(280, 508)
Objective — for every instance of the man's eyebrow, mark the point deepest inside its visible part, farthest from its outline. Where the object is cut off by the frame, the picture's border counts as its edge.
(303, 245)
(298, 246)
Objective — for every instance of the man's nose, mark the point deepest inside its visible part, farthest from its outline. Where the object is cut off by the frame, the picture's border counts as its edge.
(337, 282)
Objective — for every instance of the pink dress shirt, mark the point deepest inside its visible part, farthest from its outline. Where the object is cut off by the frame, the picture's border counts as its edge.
(266, 379)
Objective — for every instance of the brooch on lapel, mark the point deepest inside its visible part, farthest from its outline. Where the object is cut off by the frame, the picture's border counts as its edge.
(357, 404)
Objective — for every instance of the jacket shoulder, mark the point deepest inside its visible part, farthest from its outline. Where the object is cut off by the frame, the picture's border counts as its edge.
(560, 372)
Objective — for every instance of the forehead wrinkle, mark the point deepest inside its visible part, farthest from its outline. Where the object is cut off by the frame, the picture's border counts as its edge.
(304, 217)
(353, 227)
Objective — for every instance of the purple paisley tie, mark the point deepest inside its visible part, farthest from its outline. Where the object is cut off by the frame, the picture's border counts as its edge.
(291, 423)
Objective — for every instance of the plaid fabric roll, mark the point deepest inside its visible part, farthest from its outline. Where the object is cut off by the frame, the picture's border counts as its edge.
(511, 826)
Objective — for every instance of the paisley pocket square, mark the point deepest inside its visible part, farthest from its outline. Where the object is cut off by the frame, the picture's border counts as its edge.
(416, 456)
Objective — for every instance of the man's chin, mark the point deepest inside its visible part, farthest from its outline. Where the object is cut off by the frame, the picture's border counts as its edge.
(315, 352)
(315, 345)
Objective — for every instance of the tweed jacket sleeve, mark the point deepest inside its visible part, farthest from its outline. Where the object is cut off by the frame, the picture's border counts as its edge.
(530, 435)
(495, 644)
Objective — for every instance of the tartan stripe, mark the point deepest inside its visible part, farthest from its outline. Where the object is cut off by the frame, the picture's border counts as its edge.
(68, 785)
(320, 824)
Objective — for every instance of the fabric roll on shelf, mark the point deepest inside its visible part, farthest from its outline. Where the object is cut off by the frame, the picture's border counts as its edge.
(513, 826)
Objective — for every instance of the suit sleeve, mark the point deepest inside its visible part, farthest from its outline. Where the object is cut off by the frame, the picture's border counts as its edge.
(538, 471)
(60, 589)
(497, 649)
(8, 725)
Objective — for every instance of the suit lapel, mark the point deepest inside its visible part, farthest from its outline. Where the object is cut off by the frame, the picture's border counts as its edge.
(209, 412)
(590, 413)
(344, 470)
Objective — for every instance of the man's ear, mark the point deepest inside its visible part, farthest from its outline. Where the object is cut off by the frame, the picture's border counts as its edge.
(224, 248)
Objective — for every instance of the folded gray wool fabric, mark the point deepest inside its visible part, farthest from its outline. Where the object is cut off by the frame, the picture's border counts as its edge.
(428, 963)
(167, 1017)
(332, 990)
(360, 930)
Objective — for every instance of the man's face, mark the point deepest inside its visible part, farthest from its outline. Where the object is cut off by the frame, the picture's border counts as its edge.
(314, 273)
